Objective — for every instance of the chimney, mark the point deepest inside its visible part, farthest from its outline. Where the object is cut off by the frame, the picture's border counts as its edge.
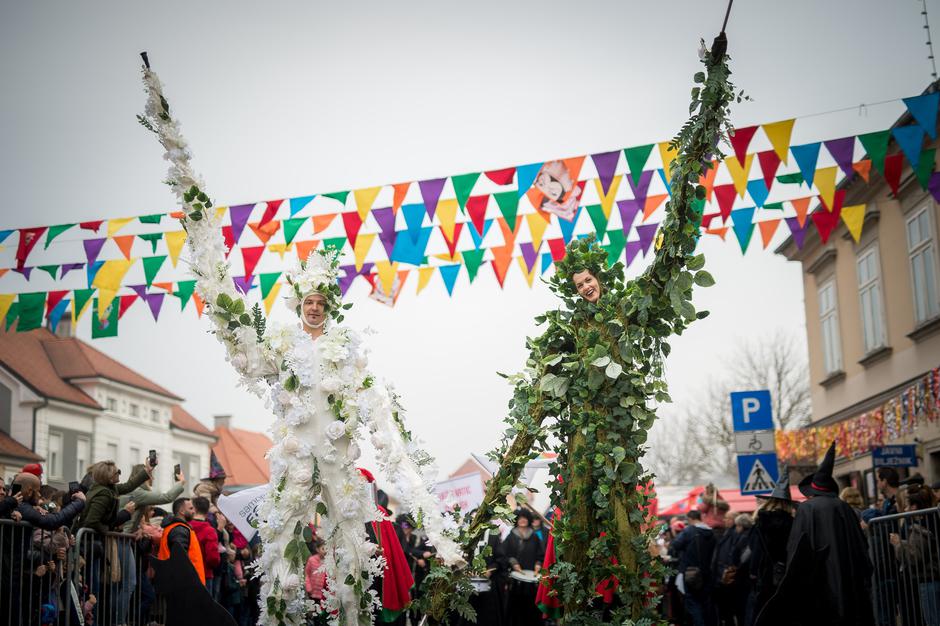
(221, 421)
(64, 328)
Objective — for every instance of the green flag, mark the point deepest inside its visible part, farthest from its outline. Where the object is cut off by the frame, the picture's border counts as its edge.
(55, 231)
(151, 219)
(637, 158)
(463, 187)
(338, 195)
(80, 300)
(925, 167)
(12, 314)
(107, 327)
(876, 145)
(152, 265)
(508, 202)
(267, 282)
(291, 226)
(52, 270)
(599, 219)
(773, 206)
(618, 239)
(184, 291)
(30, 310)
(336, 243)
(153, 238)
(472, 259)
(791, 179)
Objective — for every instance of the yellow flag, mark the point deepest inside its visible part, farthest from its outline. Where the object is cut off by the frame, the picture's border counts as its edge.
(105, 298)
(108, 281)
(424, 277)
(607, 201)
(220, 212)
(825, 181)
(739, 174)
(363, 244)
(667, 155)
(386, 271)
(174, 244)
(779, 135)
(365, 198)
(117, 224)
(6, 301)
(537, 226)
(272, 296)
(854, 217)
(281, 248)
(529, 276)
(447, 214)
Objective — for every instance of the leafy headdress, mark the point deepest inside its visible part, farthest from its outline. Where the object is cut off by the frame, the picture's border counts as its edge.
(580, 255)
(318, 274)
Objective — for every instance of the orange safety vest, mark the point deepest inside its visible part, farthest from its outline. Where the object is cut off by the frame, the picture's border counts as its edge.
(195, 552)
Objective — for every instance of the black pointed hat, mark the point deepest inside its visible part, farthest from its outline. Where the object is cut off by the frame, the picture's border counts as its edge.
(782, 489)
(822, 483)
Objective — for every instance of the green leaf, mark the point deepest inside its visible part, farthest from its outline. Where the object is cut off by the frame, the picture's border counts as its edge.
(619, 454)
(614, 370)
(601, 361)
(704, 279)
(321, 508)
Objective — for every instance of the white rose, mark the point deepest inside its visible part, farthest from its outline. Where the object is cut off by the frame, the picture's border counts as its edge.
(349, 508)
(331, 384)
(353, 452)
(301, 474)
(290, 445)
(336, 429)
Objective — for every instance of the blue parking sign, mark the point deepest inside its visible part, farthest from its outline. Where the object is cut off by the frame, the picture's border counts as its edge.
(751, 410)
(757, 473)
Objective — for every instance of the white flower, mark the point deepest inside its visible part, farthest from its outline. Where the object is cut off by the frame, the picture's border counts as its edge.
(290, 445)
(349, 508)
(353, 452)
(336, 429)
(331, 384)
(291, 582)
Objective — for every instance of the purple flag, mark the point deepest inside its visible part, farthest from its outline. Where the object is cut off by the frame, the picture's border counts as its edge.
(243, 283)
(140, 290)
(798, 232)
(386, 221)
(606, 164)
(633, 249)
(239, 215)
(842, 150)
(646, 232)
(529, 254)
(68, 267)
(25, 271)
(155, 302)
(641, 188)
(92, 248)
(934, 186)
(628, 212)
(431, 193)
(350, 273)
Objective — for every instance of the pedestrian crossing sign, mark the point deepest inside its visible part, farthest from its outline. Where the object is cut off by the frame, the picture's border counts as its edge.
(757, 473)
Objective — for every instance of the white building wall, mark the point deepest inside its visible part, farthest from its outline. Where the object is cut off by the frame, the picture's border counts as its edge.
(23, 400)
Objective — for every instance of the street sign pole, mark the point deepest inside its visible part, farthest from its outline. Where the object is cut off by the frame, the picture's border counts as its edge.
(753, 422)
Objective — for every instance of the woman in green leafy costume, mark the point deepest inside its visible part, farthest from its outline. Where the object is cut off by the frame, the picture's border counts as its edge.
(598, 371)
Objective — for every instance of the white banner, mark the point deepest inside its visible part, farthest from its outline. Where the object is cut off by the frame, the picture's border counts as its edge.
(242, 508)
(465, 491)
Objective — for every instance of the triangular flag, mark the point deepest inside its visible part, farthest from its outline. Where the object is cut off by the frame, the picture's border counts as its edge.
(412, 249)
(463, 187)
(54, 298)
(91, 270)
(449, 274)
(267, 282)
(508, 202)
(476, 207)
(304, 248)
(92, 248)
(502, 177)
(632, 249)
(386, 272)
(431, 192)
(598, 219)
(876, 146)
(529, 255)
(825, 180)
(567, 226)
(335, 243)
(525, 176)
(668, 155)
(114, 225)
(528, 272)
(250, 257)
(893, 166)
(924, 110)
(29, 237)
(92, 226)
(168, 287)
(557, 249)
(291, 226)
(55, 231)
(740, 140)
(911, 140)
(925, 167)
(265, 230)
(854, 217)
(779, 135)
(322, 222)
(150, 219)
(365, 198)
(537, 226)
(618, 240)
(743, 226)
(155, 302)
(606, 165)
(739, 174)
(297, 204)
(239, 215)
(637, 158)
(863, 168)
(6, 301)
(52, 270)
(424, 277)
(769, 163)
(707, 180)
(724, 195)
(646, 233)
(758, 191)
(105, 321)
(607, 196)
(154, 238)
(547, 261)
(400, 190)
(843, 151)
(339, 196)
(806, 157)
(385, 218)
(478, 237)
(108, 280)
(472, 259)
(628, 212)
(152, 265)
(767, 230)
(801, 206)
(352, 223)
(826, 222)
(270, 210)
(124, 244)
(652, 204)
(414, 219)
(243, 284)
(55, 315)
(125, 303)
(640, 187)
(362, 247)
(447, 215)
(80, 300)
(174, 244)
(184, 291)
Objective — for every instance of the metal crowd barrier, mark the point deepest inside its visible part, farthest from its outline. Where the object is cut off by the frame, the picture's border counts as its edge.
(905, 552)
(35, 575)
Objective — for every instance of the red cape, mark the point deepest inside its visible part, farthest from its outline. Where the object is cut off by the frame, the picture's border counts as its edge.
(396, 580)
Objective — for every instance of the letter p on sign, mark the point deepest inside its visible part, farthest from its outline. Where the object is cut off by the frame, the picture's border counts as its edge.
(751, 410)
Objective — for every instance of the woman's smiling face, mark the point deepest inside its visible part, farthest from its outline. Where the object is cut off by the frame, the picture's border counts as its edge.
(587, 286)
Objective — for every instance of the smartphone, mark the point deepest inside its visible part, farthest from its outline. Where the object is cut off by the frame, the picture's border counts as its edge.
(74, 487)
(153, 458)
(176, 470)
(15, 488)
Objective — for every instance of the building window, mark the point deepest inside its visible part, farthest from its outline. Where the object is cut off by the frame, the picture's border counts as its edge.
(136, 456)
(55, 455)
(923, 258)
(112, 404)
(155, 415)
(134, 410)
(82, 456)
(113, 452)
(829, 321)
(869, 294)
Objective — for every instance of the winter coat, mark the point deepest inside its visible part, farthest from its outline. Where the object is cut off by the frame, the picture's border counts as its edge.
(101, 511)
(146, 496)
(209, 542)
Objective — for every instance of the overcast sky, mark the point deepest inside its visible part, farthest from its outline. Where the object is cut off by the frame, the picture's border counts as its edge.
(285, 99)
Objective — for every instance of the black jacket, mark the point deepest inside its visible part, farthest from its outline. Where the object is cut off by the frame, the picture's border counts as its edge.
(51, 521)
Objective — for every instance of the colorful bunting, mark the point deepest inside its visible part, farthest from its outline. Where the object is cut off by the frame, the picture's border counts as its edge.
(779, 135)
(842, 150)
(174, 244)
(743, 226)
(769, 163)
(740, 140)
(55, 231)
(854, 217)
(876, 146)
(297, 204)
(806, 157)
(923, 108)
(911, 140)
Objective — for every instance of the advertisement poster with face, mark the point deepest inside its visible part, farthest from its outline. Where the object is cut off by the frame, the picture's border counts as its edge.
(556, 189)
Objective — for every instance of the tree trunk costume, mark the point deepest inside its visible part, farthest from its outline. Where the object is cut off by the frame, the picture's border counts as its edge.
(324, 398)
(596, 370)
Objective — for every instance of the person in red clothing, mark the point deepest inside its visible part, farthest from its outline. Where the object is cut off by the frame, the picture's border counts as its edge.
(208, 539)
(315, 578)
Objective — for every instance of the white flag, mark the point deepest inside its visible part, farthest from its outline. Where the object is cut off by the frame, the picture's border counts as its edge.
(242, 508)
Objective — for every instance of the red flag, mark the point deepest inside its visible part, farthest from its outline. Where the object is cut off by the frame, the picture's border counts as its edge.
(740, 140)
(476, 207)
(251, 256)
(92, 226)
(126, 302)
(352, 223)
(501, 177)
(725, 195)
(270, 211)
(29, 237)
(893, 166)
(229, 239)
(53, 298)
(557, 248)
(826, 221)
(769, 162)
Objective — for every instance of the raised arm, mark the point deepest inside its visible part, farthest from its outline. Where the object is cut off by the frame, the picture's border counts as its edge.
(239, 331)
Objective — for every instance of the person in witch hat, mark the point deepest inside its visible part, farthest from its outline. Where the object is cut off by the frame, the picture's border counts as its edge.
(211, 486)
(828, 573)
(773, 521)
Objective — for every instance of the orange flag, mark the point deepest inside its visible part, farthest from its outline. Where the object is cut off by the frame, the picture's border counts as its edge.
(767, 230)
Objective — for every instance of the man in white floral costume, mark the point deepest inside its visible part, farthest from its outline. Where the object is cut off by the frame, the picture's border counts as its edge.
(324, 399)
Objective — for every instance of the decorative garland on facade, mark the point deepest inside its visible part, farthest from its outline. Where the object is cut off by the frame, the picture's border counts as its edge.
(598, 371)
(323, 396)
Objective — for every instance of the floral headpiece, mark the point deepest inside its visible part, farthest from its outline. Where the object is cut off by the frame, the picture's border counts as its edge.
(318, 274)
(585, 254)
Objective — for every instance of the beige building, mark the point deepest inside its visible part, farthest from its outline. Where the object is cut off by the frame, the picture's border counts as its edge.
(873, 310)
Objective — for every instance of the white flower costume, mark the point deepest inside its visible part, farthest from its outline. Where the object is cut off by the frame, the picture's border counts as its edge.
(324, 398)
